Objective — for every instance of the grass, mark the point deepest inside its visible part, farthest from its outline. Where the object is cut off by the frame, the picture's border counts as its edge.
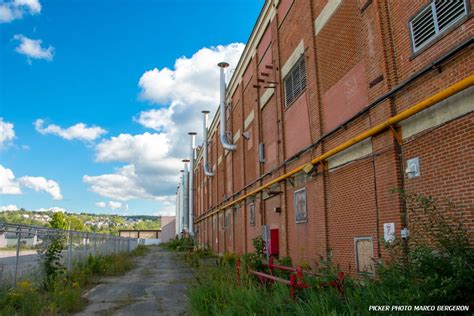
(179, 244)
(64, 294)
(436, 268)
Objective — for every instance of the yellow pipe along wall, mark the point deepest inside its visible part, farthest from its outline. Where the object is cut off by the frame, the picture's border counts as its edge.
(440, 96)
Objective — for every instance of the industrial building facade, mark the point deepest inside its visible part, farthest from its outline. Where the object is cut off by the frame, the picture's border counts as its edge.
(333, 104)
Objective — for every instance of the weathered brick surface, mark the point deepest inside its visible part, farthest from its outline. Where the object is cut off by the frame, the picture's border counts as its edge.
(355, 199)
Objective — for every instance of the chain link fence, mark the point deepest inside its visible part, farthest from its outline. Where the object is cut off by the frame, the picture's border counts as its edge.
(22, 249)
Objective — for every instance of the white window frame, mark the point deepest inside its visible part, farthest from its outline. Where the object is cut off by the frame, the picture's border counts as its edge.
(432, 7)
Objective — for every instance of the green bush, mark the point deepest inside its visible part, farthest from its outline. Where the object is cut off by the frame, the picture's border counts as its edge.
(141, 250)
(64, 290)
(182, 244)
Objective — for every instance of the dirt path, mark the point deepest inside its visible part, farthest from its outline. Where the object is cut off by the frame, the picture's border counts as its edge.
(157, 286)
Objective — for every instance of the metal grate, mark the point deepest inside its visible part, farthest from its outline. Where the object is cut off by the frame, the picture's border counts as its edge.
(295, 81)
(438, 16)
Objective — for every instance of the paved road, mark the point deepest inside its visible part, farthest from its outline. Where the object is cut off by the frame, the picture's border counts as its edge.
(157, 286)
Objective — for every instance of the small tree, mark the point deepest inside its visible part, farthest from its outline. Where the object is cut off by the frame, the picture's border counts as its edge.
(51, 252)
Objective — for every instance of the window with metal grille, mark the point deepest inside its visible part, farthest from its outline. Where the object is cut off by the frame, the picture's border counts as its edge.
(433, 20)
(295, 81)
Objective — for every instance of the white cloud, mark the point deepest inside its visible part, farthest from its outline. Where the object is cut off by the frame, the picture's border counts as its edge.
(122, 185)
(10, 207)
(111, 204)
(114, 205)
(79, 131)
(8, 185)
(101, 204)
(42, 184)
(149, 173)
(13, 10)
(54, 209)
(192, 86)
(7, 133)
(32, 48)
(167, 205)
(130, 148)
(153, 160)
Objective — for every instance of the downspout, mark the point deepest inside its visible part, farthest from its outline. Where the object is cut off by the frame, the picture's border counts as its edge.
(185, 196)
(181, 203)
(191, 184)
(205, 163)
(176, 224)
(223, 136)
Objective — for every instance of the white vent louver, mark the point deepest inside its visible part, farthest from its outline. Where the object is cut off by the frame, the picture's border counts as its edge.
(435, 19)
(295, 81)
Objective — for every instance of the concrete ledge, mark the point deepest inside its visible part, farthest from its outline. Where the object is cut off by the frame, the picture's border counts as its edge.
(326, 14)
(444, 111)
(299, 50)
(355, 152)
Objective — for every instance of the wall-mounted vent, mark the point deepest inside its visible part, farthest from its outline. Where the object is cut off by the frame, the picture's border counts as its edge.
(433, 20)
(295, 81)
(261, 152)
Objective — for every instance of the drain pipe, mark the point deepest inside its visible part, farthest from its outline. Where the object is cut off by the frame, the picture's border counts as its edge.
(191, 184)
(185, 196)
(181, 204)
(176, 224)
(223, 136)
(205, 164)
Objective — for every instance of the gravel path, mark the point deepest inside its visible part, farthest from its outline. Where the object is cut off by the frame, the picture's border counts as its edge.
(157, 286)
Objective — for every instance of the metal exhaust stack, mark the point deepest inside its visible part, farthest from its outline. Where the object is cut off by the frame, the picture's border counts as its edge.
(205, 164)
(223, 136)
(185, 196)
(191, 171)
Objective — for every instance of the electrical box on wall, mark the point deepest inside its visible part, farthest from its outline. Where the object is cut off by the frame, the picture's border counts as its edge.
(261, 152)
(413, 168)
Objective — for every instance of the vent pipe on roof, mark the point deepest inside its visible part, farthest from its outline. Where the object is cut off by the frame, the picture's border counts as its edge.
(185, 196)
(205, 164)
(223, 135)
(191, 172)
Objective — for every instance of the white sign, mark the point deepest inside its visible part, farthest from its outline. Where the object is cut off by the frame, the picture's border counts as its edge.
(389, 232)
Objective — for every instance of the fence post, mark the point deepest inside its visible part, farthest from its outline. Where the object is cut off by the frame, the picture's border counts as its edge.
(95, 244)
(86, 244)
(18, 233)
(292, 286)
(128, 245)
(69, 264)
(299, 275)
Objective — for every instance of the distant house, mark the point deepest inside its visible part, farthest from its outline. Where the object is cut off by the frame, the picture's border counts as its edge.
(167, 228)
(11, 239)
(3, 242)
(140, 233)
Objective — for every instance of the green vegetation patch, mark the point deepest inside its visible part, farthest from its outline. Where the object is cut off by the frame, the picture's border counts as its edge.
(433, 267)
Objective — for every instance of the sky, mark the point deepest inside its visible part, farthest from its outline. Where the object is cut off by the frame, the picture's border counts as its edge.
(97, 97)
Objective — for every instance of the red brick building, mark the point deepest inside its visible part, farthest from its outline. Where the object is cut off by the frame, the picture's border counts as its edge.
(314, 75)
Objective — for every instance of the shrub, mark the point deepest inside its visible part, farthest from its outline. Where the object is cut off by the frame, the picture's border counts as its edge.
(435, 267)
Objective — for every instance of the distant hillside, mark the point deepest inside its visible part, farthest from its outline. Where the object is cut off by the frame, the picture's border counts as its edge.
(107, 224)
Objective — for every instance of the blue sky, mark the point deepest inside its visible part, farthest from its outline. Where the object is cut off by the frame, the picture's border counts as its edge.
(97, 97)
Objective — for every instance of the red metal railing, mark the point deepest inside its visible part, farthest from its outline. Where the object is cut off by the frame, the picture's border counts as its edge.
(295, 281)
(296, 277)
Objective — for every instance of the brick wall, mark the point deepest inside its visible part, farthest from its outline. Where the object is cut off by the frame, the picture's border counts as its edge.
(359, 53)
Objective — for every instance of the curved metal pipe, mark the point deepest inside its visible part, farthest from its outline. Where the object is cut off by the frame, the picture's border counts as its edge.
(185, 196)
(205, 164)
(223, 137)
